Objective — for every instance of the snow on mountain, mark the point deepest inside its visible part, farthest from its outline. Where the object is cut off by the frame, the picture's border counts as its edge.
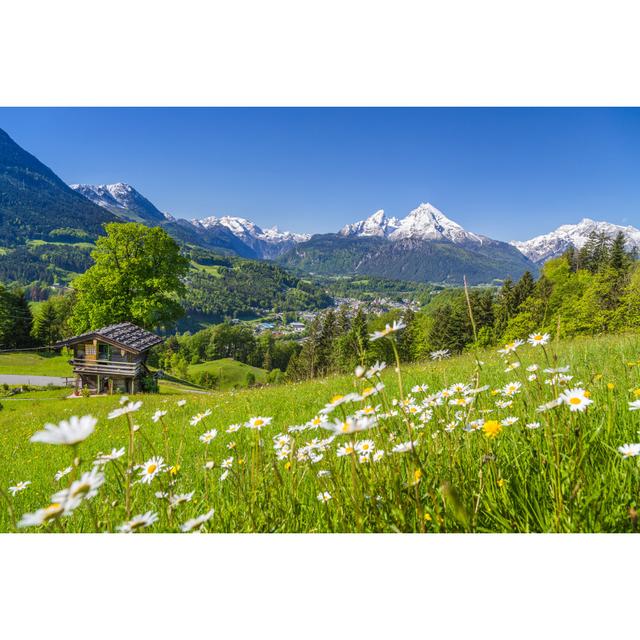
(423, 223)
(267, 243)
(122, 199)
(553, 244)
(377, 225)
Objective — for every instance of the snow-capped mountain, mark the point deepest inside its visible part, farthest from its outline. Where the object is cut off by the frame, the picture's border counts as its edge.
(424, 246)
(423, 223)
(554, 244)
(267, 243)
(376, 225)
(122, 200)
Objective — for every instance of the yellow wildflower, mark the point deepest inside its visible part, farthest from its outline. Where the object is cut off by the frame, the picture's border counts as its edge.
(491, 428)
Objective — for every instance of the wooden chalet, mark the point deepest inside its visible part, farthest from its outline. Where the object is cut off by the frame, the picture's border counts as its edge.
(111, 359)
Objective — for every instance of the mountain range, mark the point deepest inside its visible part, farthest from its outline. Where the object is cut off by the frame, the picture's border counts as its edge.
(554, 244)
(425, 245)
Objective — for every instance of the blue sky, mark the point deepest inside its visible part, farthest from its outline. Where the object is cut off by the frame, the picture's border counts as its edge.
(507, 173)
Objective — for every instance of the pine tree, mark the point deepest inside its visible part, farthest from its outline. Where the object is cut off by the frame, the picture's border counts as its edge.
(521, 291)
(619, 259)
(46, 324)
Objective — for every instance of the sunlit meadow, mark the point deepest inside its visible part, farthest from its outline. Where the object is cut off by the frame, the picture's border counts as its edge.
(540, 436)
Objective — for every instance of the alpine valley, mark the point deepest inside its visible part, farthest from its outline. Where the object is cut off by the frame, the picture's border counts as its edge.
(47, 229)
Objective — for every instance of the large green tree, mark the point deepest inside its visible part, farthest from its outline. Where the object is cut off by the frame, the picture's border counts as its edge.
(137, 276)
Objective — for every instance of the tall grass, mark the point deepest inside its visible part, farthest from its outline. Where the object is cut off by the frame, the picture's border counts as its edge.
(567, 475)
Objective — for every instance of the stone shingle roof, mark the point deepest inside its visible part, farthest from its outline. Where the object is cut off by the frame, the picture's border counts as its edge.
(124, 334)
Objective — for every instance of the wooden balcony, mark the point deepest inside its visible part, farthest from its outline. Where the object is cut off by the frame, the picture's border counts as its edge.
(106, 367)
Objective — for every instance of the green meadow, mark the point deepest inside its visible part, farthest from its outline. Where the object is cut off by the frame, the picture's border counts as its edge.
(35, 364)
(474, 466)
(229, 372)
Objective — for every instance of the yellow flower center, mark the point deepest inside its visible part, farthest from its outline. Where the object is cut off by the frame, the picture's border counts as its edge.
(81, 489)
(151, 468)
(575, 400)
(259, 422)
(336, 398)
(52, 511)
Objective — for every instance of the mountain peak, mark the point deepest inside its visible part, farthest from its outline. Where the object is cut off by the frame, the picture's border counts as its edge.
(553, 244)
(425, 222)
(121, 199)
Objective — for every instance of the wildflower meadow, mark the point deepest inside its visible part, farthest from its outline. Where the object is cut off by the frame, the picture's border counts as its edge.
(539, 436)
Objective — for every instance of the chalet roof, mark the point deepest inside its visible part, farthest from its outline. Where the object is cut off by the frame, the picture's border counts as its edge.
(125, 334)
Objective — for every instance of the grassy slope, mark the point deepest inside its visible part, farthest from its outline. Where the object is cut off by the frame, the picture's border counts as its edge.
(230, 372)
(35, 364)
(517, 486)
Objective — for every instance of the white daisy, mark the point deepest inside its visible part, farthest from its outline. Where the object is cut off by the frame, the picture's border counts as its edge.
(19, 486)
(181, 403)
(208, 436)
(440, 354)
(346, 449)
(199, 417)
(375, 370)
(233, 428)
(352, 424)
(324, 496)
(533, 425)
(41, 516)
(127, 408)
(195, 523)
(85, 488)
(227, 463)
(151, 468)
(103, 458)
(634, 405)
(365, 447)
(258, 422)
(158, 415)
(403, 447)
(538, 339)
(388, 330)
(66, 432)
(511, 347)
(576, 399)
(62, 473)
(630, 450)
(511, 388)
(179, 498)
(138, 522)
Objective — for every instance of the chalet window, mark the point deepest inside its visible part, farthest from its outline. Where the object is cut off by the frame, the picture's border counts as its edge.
(104, 352)
(90, 350)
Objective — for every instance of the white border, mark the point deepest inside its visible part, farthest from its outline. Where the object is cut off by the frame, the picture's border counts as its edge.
(334, 52)
(329, 52)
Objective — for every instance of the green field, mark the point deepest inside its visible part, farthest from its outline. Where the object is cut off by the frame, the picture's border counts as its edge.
(230, 372)
(36, 364)
(565, 476)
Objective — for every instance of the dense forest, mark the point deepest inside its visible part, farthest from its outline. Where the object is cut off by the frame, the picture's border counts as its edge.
(220, 288)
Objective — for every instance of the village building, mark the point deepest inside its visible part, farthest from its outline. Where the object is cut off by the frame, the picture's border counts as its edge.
(112, 359)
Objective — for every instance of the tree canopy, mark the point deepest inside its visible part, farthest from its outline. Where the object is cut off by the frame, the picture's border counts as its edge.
(137, 276)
